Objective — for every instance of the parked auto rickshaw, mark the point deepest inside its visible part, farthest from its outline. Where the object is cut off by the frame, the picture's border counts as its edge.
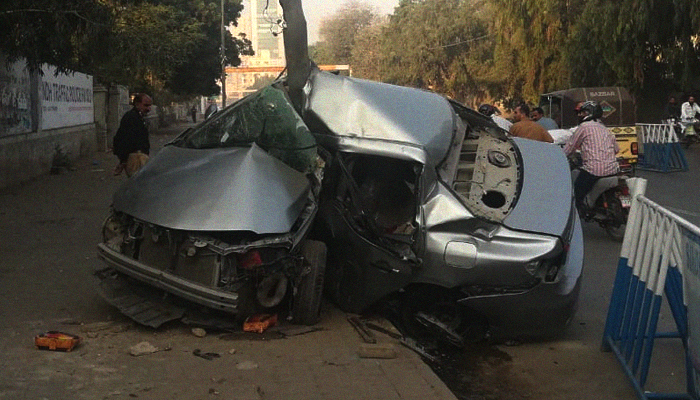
(618, 113)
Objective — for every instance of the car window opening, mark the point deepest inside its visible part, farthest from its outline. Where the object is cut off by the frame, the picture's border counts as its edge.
(386, 190)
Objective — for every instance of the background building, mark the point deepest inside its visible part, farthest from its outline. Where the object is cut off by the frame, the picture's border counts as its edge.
(261, 23)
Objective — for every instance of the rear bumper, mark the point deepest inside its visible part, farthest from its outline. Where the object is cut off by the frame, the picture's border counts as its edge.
(192, 291)
(544, 310)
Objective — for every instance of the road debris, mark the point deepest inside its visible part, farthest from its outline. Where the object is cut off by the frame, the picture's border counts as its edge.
(246, 365)
(206, 356)
(413, 345)
(144, 347)
(383, 330)
(199, 332)
(259, 323)
(382, 350)
(299, 330)
(54, 340)
(361, 328)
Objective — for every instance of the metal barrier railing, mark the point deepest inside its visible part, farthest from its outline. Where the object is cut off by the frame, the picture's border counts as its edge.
(661, 149)
(660, 256)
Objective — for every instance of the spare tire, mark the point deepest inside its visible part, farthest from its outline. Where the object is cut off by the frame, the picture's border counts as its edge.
(306, 302)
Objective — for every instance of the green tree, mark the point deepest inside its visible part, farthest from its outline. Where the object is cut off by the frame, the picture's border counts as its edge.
(202, 68)
(339, 31)
(366, 54)
(147, 45)
(47, 31)
(442, 45)
(530, 47)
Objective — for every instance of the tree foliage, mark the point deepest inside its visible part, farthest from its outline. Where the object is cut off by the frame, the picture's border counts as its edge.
(47, 31)
(511, 50)
(443, 45)
(338, 32)
(148, 45)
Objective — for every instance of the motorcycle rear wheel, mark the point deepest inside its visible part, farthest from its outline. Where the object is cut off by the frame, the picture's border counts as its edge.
(617, 219)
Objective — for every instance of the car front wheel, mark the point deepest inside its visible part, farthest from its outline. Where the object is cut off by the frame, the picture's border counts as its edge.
(306, 305)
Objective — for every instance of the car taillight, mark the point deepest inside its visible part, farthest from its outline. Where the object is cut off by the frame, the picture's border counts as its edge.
(634, 147)
(249, 260)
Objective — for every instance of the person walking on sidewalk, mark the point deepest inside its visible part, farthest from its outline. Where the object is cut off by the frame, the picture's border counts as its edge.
(193, 112)
(131, 143)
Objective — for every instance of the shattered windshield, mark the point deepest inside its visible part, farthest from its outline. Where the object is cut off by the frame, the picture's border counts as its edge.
(265, 118)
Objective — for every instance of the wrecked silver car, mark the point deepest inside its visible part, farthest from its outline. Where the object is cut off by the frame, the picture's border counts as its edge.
(220, 217)
(415, 197)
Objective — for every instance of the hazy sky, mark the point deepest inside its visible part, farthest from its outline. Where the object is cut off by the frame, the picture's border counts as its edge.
(317, 10)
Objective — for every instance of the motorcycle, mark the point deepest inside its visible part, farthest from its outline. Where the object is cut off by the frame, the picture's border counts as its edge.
(687, 131)
(608, 202)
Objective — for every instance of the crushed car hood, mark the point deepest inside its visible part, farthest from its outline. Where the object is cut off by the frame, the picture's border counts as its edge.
(357, 108)
(221, 189)
(544, 204)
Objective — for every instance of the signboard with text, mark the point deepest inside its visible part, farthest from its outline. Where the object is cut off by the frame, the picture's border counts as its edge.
(66, 99)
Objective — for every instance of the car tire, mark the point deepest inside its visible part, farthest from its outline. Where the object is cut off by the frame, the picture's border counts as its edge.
(306, 302)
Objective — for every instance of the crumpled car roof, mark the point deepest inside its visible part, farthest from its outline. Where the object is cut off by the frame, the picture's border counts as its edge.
(358, 108)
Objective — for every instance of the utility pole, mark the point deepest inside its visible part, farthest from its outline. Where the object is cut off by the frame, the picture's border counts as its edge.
(223, 59)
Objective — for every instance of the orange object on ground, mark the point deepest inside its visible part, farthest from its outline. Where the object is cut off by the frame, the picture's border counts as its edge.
(54, 340)
(259, 323)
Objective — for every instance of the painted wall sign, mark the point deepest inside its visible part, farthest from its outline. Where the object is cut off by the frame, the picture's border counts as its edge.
(15, 110)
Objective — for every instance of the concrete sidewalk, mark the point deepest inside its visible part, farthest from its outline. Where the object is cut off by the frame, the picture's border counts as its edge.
(52, 226)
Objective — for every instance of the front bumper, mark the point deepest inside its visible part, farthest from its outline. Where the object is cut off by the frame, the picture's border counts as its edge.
(216, 299)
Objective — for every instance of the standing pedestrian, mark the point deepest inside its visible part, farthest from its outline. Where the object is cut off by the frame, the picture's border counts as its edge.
(526, 128)
(131, 143)
(193, 112)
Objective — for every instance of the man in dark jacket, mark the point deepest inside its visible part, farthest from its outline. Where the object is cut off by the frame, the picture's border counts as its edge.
(132, 135)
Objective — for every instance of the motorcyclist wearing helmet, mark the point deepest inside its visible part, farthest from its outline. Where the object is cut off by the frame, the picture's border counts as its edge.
(491, 111)
(598, 149)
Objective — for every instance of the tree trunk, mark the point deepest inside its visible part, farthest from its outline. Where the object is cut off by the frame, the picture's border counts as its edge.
(296, 51)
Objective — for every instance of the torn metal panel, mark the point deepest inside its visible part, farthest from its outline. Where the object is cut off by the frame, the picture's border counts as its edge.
(144, 308)
(357, 108)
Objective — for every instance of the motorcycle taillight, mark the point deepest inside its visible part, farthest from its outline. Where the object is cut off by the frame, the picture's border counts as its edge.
(624, 190)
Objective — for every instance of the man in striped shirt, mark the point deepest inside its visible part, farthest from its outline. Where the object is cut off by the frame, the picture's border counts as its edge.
(598, 149)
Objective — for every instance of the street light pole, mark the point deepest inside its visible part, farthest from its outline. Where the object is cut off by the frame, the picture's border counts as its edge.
(223, 58)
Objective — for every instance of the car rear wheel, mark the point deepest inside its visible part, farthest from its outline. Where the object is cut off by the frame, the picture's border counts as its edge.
(306, 303)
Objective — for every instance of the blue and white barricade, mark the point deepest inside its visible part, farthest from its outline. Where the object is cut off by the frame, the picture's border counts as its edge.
(661, 149)
(660, 258)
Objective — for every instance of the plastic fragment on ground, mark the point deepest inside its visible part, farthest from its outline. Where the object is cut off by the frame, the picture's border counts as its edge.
(259, 323)
(54, 340)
